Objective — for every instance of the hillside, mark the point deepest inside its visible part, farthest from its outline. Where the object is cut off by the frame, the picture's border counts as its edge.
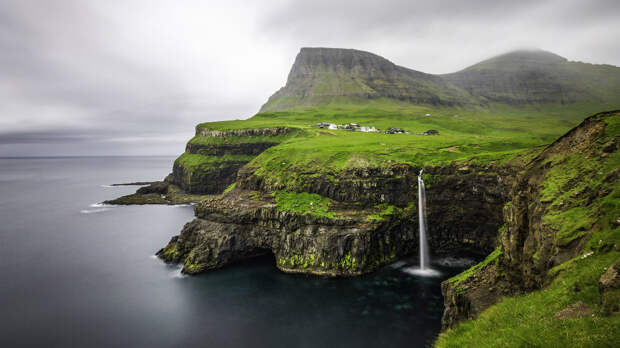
(504, 180)
(538, 77)
(327, 75)
(322, 76)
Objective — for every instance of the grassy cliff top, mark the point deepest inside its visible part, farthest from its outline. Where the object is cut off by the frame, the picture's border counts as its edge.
(479, 135)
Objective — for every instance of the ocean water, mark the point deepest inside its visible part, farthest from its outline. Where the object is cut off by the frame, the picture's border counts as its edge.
(74, 273)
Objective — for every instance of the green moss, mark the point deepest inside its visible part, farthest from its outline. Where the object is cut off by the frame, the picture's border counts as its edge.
(192, 162)
(230, 187)
(348, 262)
(171, 252)
(303, 203)
(469, 272)
(189, 267)
(384, 210)
(570, 224)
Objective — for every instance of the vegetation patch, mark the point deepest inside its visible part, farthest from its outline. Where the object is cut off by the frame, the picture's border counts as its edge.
(528, 321)
(570, 224)
(303, 203)
(466, 274)
(384, 210)
(230, 188)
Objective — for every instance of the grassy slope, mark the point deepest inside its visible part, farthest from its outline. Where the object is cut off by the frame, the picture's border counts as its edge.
(527, 321)
(482, 135)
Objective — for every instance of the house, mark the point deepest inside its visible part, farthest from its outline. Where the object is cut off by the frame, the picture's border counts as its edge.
(431, 132)
(332, 126)
(322, 124)
(427, 115)
(394, 131)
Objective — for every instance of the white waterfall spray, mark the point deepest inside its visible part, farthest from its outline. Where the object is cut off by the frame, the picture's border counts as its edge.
(424, 258)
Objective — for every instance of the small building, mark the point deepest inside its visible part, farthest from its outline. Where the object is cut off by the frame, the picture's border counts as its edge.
(394, 131)
(332, 126)
(431, 132)
(427, 115)
(365, 129)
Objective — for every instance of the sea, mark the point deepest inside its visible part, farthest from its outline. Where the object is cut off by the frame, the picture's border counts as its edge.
(75, 273)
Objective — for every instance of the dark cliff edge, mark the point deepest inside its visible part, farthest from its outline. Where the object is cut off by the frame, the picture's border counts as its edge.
(208, 166)
(372, 220)
(562, 217)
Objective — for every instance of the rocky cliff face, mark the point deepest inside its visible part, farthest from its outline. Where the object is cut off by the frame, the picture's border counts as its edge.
(209, 165)
(213, 157)
(373, 220)
(564, 202)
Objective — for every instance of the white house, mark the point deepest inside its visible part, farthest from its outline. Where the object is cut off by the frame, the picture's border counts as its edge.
(332, 126)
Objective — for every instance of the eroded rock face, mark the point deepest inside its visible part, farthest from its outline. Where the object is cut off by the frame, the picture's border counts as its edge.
(210, 179)
(464, 202)
(244, 224)
(609, 289)
(530, 243)
(464, 211)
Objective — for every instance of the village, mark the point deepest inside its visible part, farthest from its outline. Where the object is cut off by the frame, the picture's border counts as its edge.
(354, 127)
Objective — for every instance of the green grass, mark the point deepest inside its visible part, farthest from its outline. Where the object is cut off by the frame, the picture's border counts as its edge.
(303, 203)
(230, 188)
(194, 161)
(469, 272)
(527, 321)
(384, 210)
(474, 136)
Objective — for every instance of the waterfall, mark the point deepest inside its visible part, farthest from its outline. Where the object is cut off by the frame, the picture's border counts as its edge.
(424, 258)
(425, 261)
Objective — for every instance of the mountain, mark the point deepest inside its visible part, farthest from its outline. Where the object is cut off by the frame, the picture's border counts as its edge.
(525, 77)
(322, 75)
(536, 76)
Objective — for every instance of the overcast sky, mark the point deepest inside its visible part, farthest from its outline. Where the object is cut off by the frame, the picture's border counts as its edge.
(133, 77)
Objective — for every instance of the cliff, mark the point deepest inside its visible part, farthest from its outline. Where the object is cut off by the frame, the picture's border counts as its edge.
(349, 226)
(209, 165)
(561, 235)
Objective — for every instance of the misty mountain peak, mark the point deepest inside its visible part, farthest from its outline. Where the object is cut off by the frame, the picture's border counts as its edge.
(517, 58)
(527, 76)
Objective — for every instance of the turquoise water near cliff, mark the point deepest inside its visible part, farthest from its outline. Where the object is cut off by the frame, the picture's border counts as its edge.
(77, 274)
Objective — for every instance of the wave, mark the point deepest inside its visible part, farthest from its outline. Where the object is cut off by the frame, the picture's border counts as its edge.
(100, 205)
(177, 273)
(92, 211)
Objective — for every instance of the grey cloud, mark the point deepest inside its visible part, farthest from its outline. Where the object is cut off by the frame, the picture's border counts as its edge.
(135, 76)
(444, 36)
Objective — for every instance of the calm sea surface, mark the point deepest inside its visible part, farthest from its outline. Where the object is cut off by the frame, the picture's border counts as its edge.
(74, 274)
